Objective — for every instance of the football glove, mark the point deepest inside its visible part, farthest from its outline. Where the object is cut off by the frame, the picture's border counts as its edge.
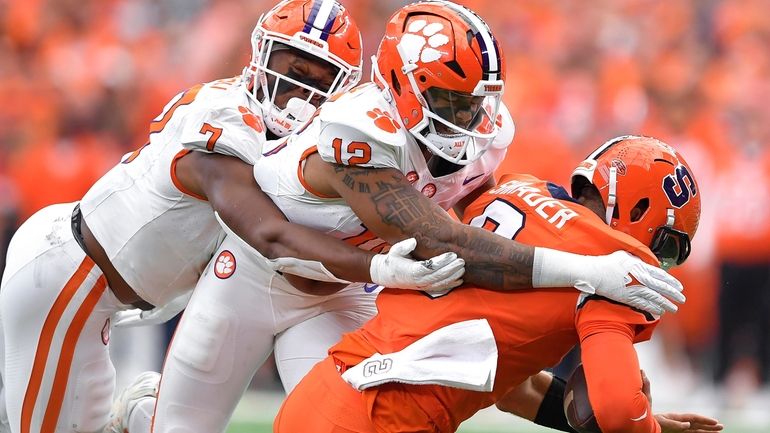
(619, 276)
(397, 269)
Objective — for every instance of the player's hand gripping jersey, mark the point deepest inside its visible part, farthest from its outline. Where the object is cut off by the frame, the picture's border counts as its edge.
(362, 129)
(156, 235)
(532, 329)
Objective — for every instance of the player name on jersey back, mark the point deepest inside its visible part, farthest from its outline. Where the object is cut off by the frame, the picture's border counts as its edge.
(551, 209)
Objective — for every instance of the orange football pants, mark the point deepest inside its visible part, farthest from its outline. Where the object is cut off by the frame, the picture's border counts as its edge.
(323, 403)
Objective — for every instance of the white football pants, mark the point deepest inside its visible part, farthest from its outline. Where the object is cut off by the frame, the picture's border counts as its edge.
(238, 314)
(54, 317)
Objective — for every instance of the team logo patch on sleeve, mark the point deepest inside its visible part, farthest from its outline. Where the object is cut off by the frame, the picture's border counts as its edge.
(384, 120)
(251, 119)
(429, 190)
(225, 265)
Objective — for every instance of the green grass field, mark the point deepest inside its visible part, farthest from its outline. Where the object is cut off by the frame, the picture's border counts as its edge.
(256, 411)
(255, 427)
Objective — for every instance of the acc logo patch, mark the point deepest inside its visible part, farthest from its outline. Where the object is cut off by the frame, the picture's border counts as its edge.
(224, 267)
(412, 177)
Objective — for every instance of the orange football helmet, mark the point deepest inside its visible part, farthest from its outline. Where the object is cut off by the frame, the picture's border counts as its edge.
(648, 191)
(320, 29)
(444, 70)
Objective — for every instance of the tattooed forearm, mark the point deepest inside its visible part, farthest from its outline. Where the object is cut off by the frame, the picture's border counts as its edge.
(400, 205)
(384, 199)
(491, 260)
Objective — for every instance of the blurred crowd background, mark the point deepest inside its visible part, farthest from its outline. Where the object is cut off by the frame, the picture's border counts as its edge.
(81, 79)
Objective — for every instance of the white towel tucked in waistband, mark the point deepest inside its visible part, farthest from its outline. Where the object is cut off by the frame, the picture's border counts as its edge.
(461, 355)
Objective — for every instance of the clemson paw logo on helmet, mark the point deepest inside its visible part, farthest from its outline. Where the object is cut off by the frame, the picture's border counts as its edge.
(384, 120)
(225, 265)
(422, 40)
(251, 119)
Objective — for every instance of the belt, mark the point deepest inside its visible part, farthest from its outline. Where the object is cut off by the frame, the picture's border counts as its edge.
(77, 220)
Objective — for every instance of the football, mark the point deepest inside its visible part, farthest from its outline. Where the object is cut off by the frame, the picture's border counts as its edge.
(577, 407)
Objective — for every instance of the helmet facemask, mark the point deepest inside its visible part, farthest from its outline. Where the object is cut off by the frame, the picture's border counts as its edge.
(266, 85)
(460, 126)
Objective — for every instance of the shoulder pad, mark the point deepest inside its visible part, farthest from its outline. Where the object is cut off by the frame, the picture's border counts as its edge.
(366, 110)
(361, 128)
(507, 128)
(224, 123)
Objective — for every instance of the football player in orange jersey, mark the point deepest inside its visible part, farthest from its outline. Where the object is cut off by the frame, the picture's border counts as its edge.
(471, 348)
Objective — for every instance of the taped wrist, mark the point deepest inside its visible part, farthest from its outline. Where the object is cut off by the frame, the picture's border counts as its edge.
(551, 411)
(554, 268)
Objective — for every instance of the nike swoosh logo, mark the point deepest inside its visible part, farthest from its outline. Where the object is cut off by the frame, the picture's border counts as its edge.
(471, 179)
(369, 288)
(644, 415)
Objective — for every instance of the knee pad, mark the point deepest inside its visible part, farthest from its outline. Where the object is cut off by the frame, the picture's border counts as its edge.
(202, 346)
(92, 394)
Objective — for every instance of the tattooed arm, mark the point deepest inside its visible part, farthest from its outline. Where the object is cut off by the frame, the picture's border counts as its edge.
(390, 206)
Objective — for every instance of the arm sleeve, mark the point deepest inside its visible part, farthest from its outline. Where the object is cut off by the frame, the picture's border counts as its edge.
(612, 372)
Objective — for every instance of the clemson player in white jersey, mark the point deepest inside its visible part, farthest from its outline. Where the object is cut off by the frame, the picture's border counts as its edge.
(432, 124)
(144, 232)
(390, 156)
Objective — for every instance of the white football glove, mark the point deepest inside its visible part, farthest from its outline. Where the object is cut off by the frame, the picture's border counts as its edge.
(398, 270)
(156, 316)
(611, 276)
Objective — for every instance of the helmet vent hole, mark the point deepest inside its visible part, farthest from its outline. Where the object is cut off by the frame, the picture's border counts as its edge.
(455, 67)
(640, 209)
(423, 78)
(663, 160)
(394, 80)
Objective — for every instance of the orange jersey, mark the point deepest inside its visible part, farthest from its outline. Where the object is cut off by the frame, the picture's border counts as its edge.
(533, 329)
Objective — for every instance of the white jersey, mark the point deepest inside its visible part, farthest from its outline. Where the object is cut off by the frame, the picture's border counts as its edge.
(361, 128)
(156, 235)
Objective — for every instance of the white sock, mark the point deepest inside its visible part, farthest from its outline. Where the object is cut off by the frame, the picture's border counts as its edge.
(140, 418)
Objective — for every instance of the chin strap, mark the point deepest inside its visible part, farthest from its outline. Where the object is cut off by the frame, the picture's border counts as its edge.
(611, 195)
(670, 217)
